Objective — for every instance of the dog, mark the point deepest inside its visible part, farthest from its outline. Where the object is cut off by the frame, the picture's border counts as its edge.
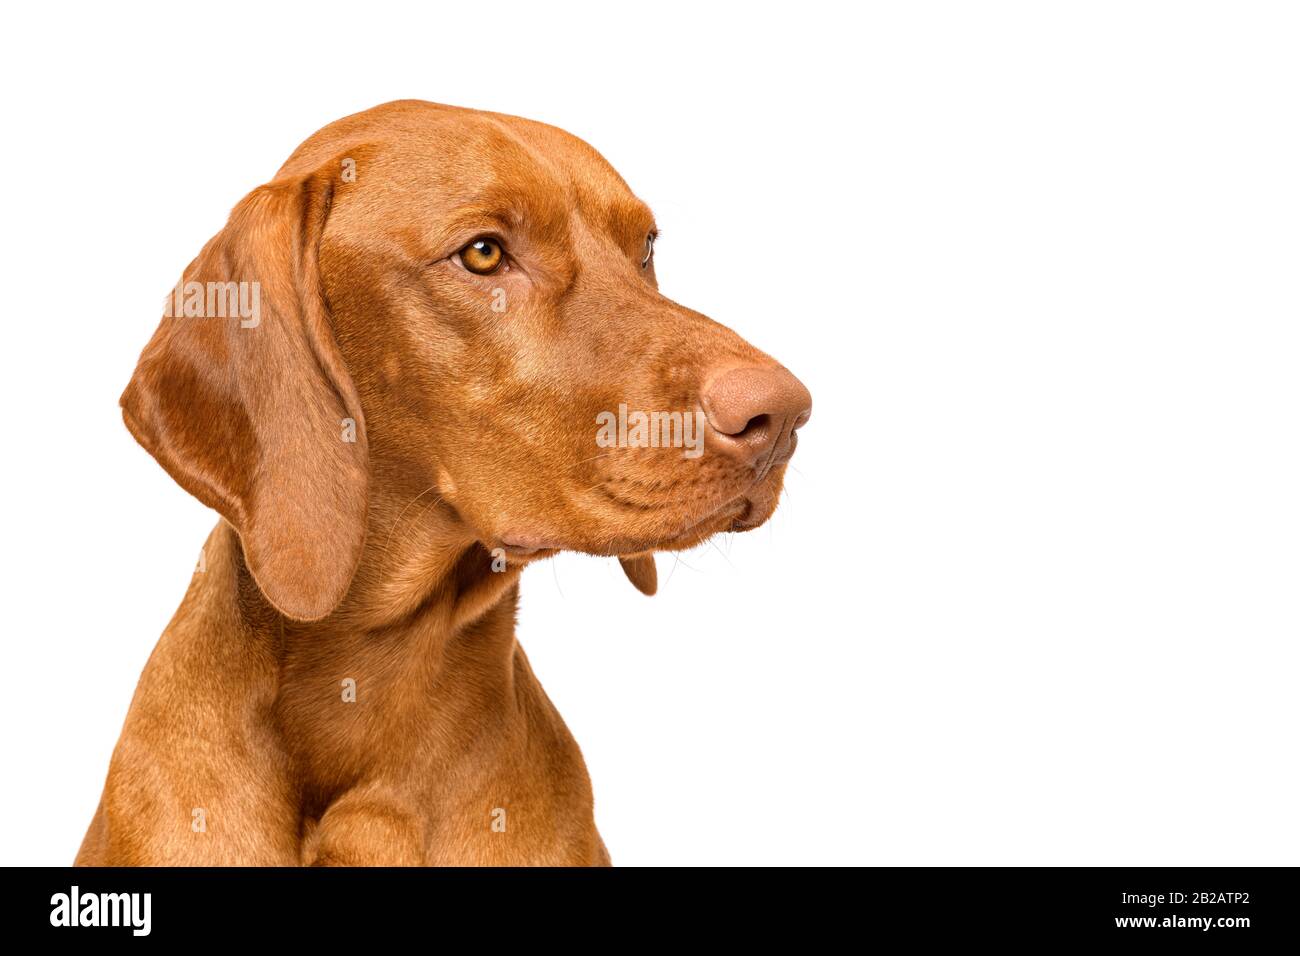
(420, 328)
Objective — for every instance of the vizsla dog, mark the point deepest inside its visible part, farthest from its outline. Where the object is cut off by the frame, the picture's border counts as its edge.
(387, 373)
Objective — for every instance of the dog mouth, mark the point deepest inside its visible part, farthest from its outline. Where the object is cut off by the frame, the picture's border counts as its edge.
(733, 516)
(745, 512)
(738, 514)
(629, 525)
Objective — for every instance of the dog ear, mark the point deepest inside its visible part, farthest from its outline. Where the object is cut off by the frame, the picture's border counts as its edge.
(243, 397)
(640, 570)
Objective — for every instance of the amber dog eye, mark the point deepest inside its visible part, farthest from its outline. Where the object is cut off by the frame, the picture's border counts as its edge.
(649, 250)
(482, 256)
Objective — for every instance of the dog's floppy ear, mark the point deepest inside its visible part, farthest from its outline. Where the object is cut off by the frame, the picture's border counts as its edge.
(243, 397)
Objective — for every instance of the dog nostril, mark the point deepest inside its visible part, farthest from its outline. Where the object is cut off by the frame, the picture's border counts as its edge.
(754, 426)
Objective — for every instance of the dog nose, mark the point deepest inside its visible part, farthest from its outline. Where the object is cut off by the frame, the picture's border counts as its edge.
(755, 410)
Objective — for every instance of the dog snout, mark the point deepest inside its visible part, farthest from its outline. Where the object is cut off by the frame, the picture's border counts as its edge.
(754, 412)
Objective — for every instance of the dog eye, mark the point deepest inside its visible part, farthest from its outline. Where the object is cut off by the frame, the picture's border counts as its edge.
(649, 250)
(482, 256)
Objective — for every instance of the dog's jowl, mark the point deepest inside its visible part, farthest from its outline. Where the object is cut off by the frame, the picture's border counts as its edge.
(436, 352)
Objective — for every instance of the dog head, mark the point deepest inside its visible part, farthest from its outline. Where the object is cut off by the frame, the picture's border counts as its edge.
(433, 297)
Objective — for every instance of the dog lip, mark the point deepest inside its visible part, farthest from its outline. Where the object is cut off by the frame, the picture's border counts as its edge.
(780, 457)
(522, 544)
(742, 521)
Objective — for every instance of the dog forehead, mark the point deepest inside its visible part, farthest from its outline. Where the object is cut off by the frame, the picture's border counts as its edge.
(449, 156)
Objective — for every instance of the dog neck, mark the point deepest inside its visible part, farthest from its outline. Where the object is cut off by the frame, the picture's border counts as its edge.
(421, 569)
(425, 639)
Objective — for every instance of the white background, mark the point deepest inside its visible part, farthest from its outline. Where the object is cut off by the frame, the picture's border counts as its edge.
(1032, 596)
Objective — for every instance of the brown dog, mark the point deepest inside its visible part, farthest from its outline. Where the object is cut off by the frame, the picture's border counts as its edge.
(442, 310)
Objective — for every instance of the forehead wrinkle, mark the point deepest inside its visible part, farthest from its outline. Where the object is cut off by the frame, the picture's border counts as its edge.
(526, 185)
(532, 208)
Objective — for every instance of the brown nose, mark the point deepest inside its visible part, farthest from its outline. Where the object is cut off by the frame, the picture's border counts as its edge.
(754, 412)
